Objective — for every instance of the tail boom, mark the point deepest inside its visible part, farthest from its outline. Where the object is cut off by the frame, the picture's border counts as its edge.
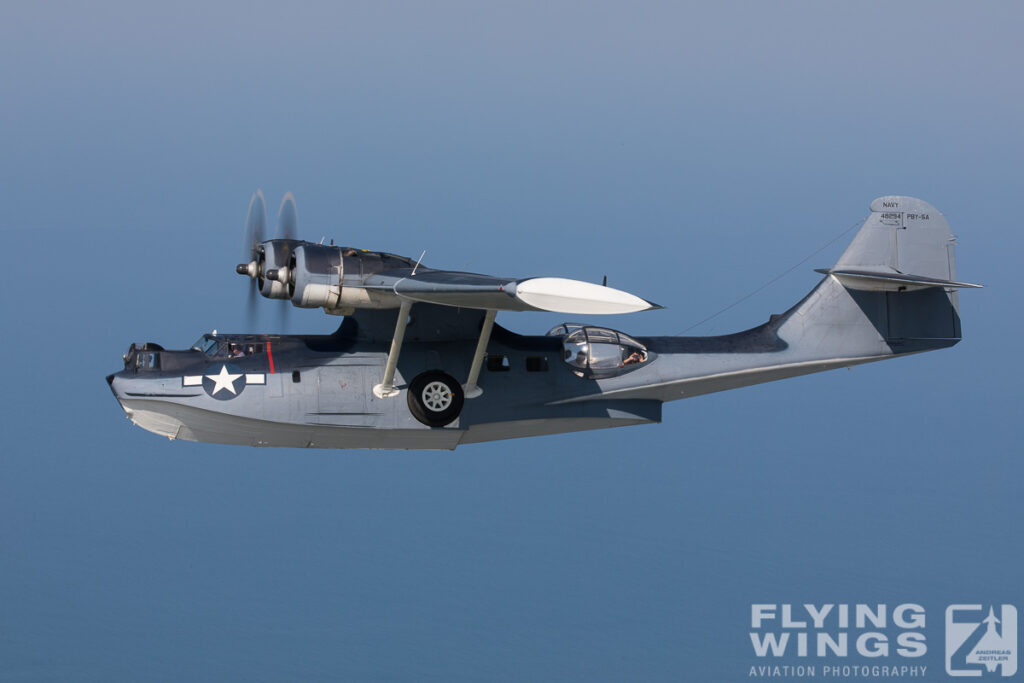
(893, 292)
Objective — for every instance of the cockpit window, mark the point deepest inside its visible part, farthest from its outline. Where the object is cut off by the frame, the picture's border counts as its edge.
(207, 344)
(596, 352)
(222, 348)
(238, 349)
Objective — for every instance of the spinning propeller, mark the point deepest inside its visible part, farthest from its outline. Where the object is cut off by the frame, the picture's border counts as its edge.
(265, 259)
(255, 226)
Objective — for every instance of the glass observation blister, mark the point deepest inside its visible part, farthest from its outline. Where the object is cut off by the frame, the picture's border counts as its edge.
(597, 352)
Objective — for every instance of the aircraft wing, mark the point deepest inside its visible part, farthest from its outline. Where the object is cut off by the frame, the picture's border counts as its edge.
(471, 290)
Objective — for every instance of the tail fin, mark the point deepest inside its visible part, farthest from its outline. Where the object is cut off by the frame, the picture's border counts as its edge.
(904, 245)
(900, 271)
(893, 292)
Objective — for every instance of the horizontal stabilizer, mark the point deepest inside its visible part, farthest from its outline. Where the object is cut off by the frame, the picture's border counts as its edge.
(889, 281)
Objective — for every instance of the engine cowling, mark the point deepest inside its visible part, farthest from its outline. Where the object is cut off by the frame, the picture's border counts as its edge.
(314, 276)
(273, 256)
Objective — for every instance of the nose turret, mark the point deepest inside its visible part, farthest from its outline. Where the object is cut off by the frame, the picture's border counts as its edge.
(143, 383)
(147, 397)
(118, 383)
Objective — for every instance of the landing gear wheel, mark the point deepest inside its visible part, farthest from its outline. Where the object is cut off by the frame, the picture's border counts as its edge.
(435, 398)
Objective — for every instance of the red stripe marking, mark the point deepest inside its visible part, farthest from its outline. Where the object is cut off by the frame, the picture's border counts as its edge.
(270, 357)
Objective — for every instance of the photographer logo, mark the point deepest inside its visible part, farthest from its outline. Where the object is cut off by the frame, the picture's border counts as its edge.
(981, 640)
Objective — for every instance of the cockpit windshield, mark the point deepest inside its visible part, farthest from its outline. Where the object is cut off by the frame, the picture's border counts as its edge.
(207, 344)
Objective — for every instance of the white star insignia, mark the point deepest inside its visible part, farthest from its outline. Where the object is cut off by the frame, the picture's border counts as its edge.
(223, 380)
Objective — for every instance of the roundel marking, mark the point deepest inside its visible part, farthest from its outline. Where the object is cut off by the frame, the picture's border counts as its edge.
(224, 383)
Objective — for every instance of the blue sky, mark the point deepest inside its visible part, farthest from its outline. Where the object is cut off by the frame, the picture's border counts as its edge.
(691, 153)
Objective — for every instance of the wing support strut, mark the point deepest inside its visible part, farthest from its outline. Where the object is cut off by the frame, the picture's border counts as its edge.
(470, 388)
(386, 389)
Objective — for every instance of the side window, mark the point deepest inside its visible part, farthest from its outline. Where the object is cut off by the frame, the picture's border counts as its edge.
(536, 364)
(240, 349)
(498, 364)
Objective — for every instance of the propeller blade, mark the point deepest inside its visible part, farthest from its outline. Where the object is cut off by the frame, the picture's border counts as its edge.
(250, 310)
(255, 226)
(288, 218)
(284, 316)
